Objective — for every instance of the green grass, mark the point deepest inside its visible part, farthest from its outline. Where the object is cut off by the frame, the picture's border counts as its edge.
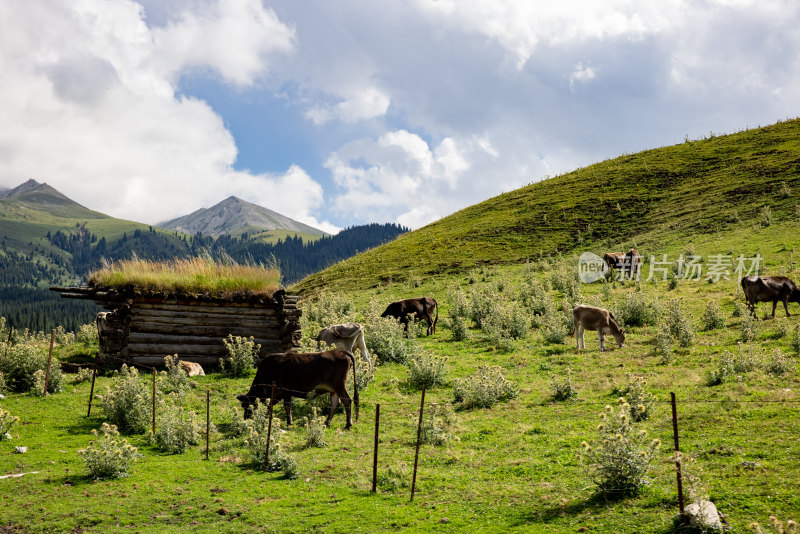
(514, 467)
(193, 275)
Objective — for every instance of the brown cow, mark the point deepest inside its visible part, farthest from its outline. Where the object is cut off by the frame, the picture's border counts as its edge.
(627, 264)
(297, 375)
(586, 317)
(769, 288)
(421, 308)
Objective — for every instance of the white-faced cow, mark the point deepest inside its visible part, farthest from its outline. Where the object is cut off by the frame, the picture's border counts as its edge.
(192, 368)
(297, 375)
(769, 288)
(347, 336)
(421, 308)
(593, 318)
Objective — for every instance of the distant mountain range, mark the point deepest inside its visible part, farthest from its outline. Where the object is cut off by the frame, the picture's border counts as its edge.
(234, 216)
(48, 239)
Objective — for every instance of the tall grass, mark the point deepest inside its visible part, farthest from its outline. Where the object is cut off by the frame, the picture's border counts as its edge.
(192, 275)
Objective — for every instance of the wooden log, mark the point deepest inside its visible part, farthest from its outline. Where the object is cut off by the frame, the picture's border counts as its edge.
(222, 317)
(205, 308)
(171, 339)
(204, 321)
(180, 348)
(208, 331)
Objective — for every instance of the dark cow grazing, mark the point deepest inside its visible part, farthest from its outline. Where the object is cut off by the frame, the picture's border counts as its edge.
(592, 318)
(345, 336)
(627, 264)
(297, 375)
(769, 288)
(421, 308)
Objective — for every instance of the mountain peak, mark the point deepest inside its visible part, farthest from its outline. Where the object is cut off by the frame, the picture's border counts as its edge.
(236, 216)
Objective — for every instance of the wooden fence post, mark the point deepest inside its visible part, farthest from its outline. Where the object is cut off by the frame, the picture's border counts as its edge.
(375, 455)
(208, 418)
(677, 456)
(91, 391)
(154, 401)
(269, 427)
(419, 437)
(49, 359)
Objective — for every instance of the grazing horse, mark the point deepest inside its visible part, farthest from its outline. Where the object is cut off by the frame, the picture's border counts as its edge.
(769, 288)
(593, 318)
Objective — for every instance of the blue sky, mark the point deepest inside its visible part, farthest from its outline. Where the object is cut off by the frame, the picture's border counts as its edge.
(349, 112)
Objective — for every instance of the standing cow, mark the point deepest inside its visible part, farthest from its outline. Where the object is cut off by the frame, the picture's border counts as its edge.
(627, 264)
(345, 336)
(769, 288)
(297, 375)
(421, 308)
(586, 317)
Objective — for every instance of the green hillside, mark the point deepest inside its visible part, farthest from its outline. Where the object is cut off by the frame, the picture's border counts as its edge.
(654, 198)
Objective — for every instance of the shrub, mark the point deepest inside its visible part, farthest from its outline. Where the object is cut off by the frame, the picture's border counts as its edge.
(255, 442)
(84, 374)
(731, 364)
(563, 389)
(364, 371)
(426, 370)
(664, 343)
(507, 322)
(458, 326)
(20, 362)
(566, 279)
(127, 403)
(679, 325)
(739, 309)
(327, 309)
(459, 305)
(712, 317)
(177, 429)
(3, 383)
(776, 526)
(87, 334)
(483, 389)
(779, 364)
(766, 216)
(109, 455)
(242, 354)
(6, 422)
(796, 339)
(484, 302)
(315, 430)
(62, 337)
(640, 400)
(555, 327)
(749, 328)
(637, 310)
(620, 460)
(392, 479)
(174, 379)
(386, 340)
(781, 329)
(437, 425)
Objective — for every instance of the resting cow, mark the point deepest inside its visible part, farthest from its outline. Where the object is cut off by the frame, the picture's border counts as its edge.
(592, 318)
(297, 375)
(345, 336)
(192, 368)
(421, 308)
(769, 288)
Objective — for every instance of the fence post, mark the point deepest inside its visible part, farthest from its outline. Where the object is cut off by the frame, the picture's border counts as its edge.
(269, 426)
(49, 359)
(375, 455)
(91, 391)
(677, 456)
(208, 418)
(154, 401)
(419, 437)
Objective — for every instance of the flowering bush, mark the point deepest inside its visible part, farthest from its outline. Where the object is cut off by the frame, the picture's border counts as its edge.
(6, 422)
(437, 425)
(426, 370)
(126, 403)
(87, 334)
(84, 374)
(109, 455)
(484, 389)
(242, 354)
(315, 430)
(640, 400)
(562, 388)
(620, 461)
(174, 379)
(177, 429)
(386, 339)
(20, 362)
(255, 442)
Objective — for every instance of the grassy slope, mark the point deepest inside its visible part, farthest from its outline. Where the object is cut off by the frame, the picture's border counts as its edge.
(651, 198)
(514, 467)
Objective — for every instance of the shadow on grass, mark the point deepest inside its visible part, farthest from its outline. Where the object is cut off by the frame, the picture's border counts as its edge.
(596, 502)
(83, 425)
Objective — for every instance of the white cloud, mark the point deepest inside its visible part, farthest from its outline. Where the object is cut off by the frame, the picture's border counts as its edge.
(89, 90)
(368, 103)
(581, 75)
